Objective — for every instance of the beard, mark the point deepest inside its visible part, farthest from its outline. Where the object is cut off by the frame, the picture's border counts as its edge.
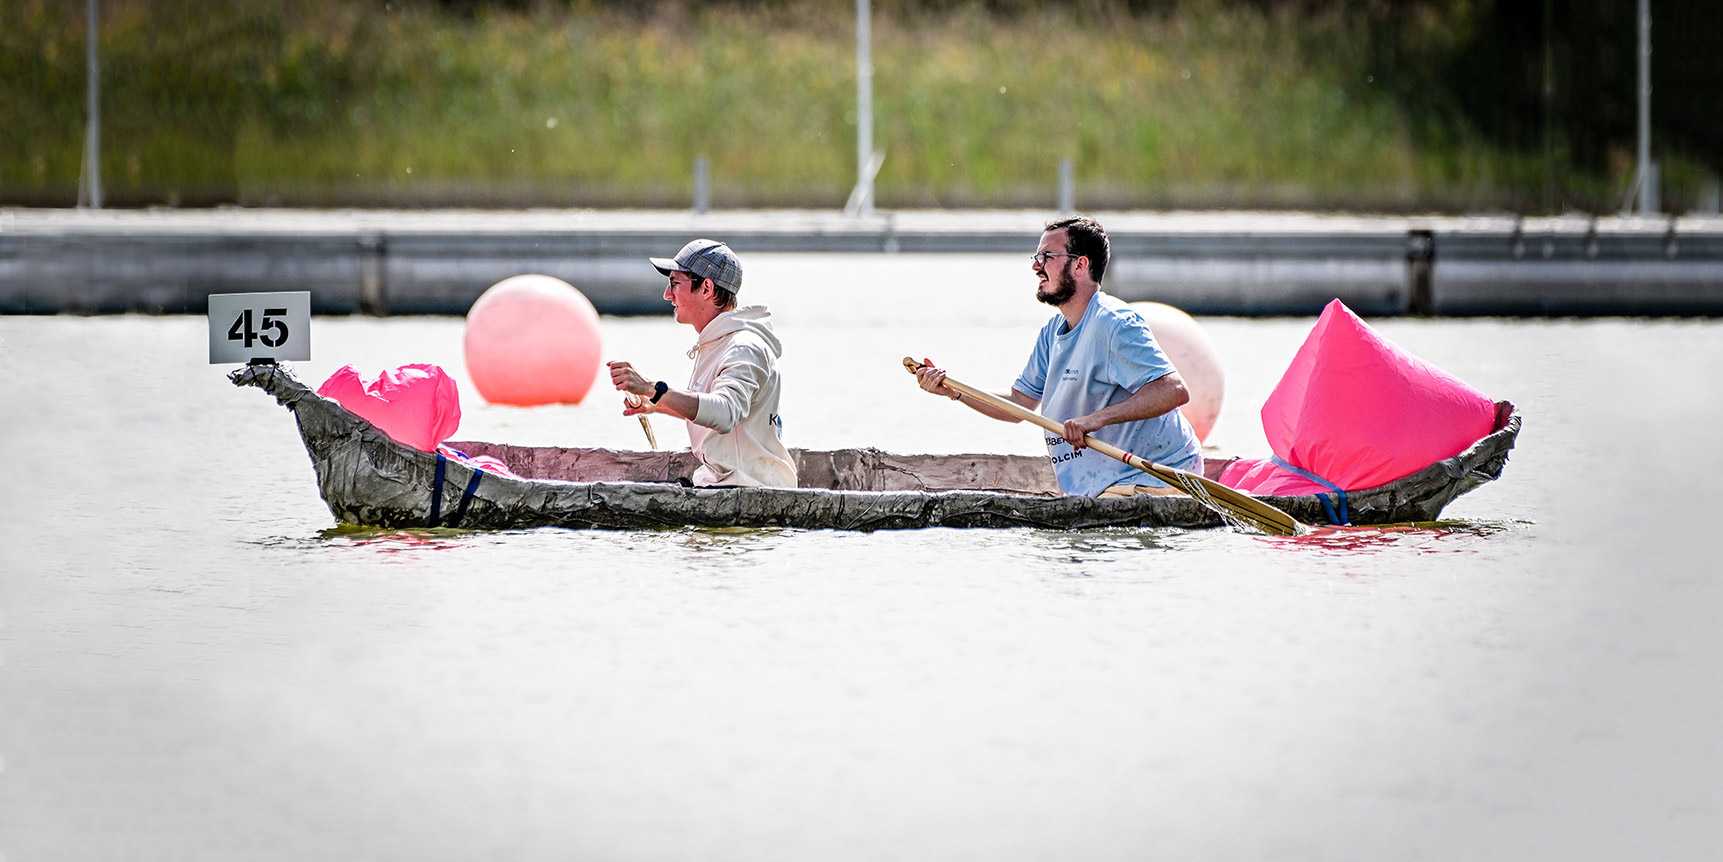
(1067, 287)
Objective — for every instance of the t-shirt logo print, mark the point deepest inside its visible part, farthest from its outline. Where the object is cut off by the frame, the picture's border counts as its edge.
(1058, 456)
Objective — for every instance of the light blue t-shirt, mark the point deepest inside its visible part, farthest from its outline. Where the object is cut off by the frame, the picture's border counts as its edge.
(1105, 359)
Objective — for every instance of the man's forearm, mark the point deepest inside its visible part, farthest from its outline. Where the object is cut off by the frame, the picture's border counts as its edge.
(1159, 396)
(988, 410)
(682, 405)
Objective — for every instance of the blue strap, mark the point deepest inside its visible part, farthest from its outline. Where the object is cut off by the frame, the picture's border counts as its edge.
(437, 494)
(1343, 516)
(437, 491)
(466, 497)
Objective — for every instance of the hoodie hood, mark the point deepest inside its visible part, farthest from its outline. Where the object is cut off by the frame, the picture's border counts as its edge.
(753, 319)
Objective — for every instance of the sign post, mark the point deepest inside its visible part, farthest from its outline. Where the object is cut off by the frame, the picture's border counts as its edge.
(259, 328)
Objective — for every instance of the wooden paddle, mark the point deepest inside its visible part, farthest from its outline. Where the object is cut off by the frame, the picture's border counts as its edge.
(1236, 507)
(651, 439)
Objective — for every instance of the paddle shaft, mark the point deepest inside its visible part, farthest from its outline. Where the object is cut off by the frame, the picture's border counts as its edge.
(1018, 411)
(651, 438)
(1228, 501)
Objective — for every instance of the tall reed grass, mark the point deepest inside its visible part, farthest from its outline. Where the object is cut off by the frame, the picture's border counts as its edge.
(317, 102)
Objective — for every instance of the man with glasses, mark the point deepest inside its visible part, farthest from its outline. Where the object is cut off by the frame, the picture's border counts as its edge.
(731, 403)
(1097, 368)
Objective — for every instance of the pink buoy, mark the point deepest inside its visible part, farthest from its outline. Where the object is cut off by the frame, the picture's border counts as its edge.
(1193, 354)
(532, 339)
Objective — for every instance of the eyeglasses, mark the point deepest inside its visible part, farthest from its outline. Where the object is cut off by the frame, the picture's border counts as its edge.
(1040, 258)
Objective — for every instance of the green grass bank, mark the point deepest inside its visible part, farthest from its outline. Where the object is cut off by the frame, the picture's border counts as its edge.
(326, 103)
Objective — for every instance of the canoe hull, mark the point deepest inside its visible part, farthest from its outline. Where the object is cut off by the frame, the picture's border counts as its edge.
(368, 479)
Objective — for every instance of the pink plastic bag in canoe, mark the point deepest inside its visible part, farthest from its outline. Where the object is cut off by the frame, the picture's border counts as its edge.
(1360, 412)
(417, 405)
(486, 463)
(1263, 476)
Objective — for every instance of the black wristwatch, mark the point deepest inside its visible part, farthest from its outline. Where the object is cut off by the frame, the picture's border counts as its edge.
(658, 390)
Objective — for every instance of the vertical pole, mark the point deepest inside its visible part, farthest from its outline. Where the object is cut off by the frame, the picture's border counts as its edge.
(1067, 188)
(702, 185)
(864, 107)
(93, 107)
(1549, 99)
(1420, 266)
(1648, 202)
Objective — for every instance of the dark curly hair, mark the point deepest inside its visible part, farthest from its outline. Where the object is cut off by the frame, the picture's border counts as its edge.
(1084, 237)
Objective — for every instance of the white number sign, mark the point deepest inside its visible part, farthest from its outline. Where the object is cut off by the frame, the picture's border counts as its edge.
(247, 326)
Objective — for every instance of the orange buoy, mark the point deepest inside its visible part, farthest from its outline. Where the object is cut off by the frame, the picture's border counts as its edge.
(532, 339)
(1194, 355)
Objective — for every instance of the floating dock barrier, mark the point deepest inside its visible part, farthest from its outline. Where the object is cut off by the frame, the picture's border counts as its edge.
(438, 262)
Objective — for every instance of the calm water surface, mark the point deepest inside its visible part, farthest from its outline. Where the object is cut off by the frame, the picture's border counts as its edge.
(197, 665)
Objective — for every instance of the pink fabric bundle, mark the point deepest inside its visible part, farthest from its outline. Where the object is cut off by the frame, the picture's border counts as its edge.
(478, 462)
(417, 405)
(1359, 412)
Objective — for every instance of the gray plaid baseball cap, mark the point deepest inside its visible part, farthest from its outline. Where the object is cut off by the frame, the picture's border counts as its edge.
(705, 258)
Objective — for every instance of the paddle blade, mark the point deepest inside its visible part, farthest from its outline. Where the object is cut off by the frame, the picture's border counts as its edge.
(1235, 507)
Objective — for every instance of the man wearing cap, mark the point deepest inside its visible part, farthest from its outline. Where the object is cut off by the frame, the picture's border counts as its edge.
(731, 403)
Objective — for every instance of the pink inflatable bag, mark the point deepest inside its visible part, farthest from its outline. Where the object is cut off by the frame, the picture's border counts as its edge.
(417, 405)
(1359, 412)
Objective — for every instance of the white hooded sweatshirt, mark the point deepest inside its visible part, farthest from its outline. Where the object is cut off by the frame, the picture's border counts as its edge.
(737, 433)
